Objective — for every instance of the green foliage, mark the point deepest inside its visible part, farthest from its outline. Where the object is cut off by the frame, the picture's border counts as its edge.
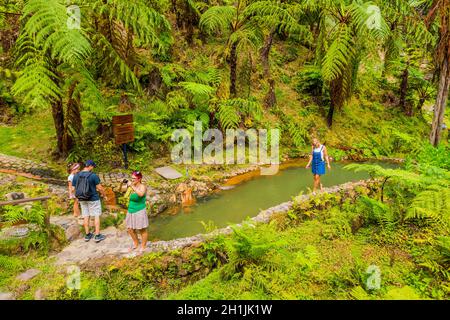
(432, 204)
(14, 214)
(248, 247)
(309, 80)
(46, 28)
(436, 157)
(231, 111)
(377, 212)
(114, 220)
(10, 263)
(404, 293)
(217, 18)
(105, 153)
(298, 133)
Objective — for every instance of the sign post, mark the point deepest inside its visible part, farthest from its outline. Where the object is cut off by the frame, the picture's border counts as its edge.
(123, 130)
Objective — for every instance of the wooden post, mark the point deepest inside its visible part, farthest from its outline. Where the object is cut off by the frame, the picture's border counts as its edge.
(47, 214)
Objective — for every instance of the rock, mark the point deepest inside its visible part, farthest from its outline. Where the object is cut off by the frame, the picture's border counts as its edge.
(15, 196)
(73, 232)
(6, 296)
(162, 207)
(15, 232)
(227, 187)
(28, 275)
(39, 295)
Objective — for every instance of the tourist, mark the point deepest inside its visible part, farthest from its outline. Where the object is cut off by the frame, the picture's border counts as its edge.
(136, 219)
(74, 168)
(86, 185)
(317, 160)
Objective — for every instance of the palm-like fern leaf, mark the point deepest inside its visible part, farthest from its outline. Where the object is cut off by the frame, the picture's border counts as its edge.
(228, 116)
(217, 18)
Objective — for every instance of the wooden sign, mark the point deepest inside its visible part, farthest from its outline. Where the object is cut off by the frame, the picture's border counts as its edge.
(124, 138)
(123, 129)
(127, 118)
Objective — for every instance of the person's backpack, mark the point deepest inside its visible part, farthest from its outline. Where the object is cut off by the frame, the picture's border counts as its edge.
(82, 190)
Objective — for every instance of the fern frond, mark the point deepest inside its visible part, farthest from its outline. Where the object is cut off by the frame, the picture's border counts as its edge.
(112, 60)
(176, 100)
(246, 106)
(145, 22)
(197, 89)
(217, 18)
(298, 133)
(228, 116)
(249, 37)
(46, 23)
(432, 204)
(339, 54)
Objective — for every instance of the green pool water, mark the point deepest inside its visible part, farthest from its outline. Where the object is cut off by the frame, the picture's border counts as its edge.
(245, 200)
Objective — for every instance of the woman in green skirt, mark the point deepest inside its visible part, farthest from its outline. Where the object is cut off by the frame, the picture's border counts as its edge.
(136, 219)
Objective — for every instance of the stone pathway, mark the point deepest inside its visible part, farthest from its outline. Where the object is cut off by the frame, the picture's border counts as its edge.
(116, 245)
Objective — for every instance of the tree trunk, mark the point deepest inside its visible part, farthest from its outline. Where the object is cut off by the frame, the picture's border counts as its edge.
(404, 90)
(233, 67)
(58, 120)
(270, 99)
(73, 124)
(441, 102)
(265, 51)
(179, 21)
(420, 105)
(336, 98)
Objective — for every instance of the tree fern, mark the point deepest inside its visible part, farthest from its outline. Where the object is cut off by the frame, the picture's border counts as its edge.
(397, 175)
(112, 60)
(197, 89)
(145, 22)
(432, 204)
(228, 116)
(378, 212)
(284, 16)
(339, 54)
(47, 26)
(242, 33)
(217, 18)
(297, 133)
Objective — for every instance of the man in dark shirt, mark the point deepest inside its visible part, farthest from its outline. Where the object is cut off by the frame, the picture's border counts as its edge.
(91, 207)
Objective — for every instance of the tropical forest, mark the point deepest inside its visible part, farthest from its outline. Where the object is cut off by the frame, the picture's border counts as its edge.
(224, 150)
